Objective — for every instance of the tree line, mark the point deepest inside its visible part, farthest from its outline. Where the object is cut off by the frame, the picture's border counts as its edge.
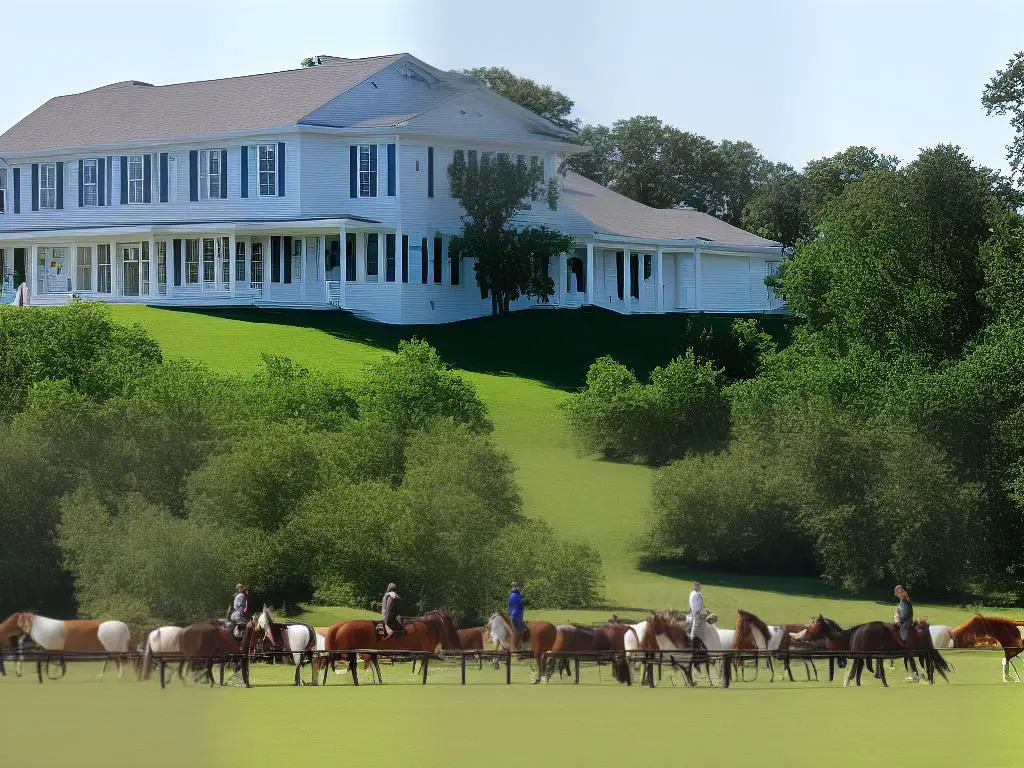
(142, 488)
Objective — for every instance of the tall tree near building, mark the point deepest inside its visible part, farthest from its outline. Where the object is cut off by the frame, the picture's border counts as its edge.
(1004, 94)
(510, 262)
(541, 99)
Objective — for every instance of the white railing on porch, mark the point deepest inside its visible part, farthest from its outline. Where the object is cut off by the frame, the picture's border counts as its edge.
(334, 292)
(257, 289)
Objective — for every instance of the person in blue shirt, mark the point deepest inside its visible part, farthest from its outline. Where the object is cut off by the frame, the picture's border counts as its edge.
(515, 610)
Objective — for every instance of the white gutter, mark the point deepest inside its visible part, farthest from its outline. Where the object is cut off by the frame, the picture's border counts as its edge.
(696, 242)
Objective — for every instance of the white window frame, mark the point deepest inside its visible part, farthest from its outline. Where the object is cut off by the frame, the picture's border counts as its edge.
(93, 186)
(211, 175)
(3, 193)
(368, 172)
(136, 180)
(47, 191)
(266, 177)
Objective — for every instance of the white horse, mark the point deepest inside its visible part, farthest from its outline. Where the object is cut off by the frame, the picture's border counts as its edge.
(297, 638)
(78, 635)
(163, 641)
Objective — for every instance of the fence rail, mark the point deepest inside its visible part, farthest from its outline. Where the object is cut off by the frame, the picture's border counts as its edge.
(651, 661)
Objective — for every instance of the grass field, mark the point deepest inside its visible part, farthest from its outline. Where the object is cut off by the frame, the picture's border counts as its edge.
(522, 367)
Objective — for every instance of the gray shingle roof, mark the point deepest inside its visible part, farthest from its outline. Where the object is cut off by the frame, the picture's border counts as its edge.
(135, 111)
(615, 214)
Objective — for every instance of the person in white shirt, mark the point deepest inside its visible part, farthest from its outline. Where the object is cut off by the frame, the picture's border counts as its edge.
(697, 613)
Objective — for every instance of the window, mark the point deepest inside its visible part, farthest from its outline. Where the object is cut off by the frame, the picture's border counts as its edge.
(161, 266)
(647, 266)
(211, 175)
(350, 257)
(136, 183)
(90, 183)
(367, 170)
(3, 190)
(145, 268)
(471, 157)
(83, 269)
(225, 261)
(209, 255)
(297, 260)
(240, 262)
(267, 158)
(155, 165)
(389, 258)
(47, 185)
(103, 268)
(372, 256)
(191, 262)
(456, 265)
(486, 157)
(438, 275)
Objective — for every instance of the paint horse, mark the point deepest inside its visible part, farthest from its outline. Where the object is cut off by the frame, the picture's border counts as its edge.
(752, 634)
(984, 630)
(295, 637)
(541, 638)
(161, 643)
(421, 634)
(77, 635)
(206, 643)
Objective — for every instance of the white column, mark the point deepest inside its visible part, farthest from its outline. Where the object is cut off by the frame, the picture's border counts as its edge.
(33, 271)
(115, 273)
(232, 256)
(248, 263)
(170, 267)
(561, 278)
(302, 265)
(698, 292)
(400, 267)
(590, 273)
(361, 257)
(267, 261)
(659, 281)
(627, 280)
(342, 255)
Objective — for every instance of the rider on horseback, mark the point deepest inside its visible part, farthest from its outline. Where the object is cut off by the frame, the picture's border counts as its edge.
(389, 610)
(698, 616)
(238, 614)
(516, 606)
(903, 616)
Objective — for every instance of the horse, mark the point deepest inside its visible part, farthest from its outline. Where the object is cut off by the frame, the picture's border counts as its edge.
(164, 642)
(472, 639)
(295, 637)
(752, 634)
(574, 638)
(421, 634)
(541, 638)
(76, 635)
(210, 642)
(1007, 633)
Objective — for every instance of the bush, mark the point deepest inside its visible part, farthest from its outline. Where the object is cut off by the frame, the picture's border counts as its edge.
(684, 409)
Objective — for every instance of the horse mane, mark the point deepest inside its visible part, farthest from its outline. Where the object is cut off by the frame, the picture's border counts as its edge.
(747, 620)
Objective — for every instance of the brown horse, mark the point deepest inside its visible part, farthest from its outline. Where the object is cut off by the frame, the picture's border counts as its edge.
(541, 638)
(775, 642)
(472, 639)
(573, 638)
(212, 642)
(985, 630)
(76, 635)
(422, 634)
(665, 633)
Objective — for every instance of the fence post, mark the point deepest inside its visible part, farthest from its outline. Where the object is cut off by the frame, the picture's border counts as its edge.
(462, 663)
(576, 664)
(508, 667)
(650, 673)
(163, 668)
(39, 669)
(426, 663)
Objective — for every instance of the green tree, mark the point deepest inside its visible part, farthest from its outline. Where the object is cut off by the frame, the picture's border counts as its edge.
(510, 262)
(599, 162)
(1004, 94)
(779, 210)
(827, 177)
(540, 99)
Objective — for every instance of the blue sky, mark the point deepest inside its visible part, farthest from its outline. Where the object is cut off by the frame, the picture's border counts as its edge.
(799, 78)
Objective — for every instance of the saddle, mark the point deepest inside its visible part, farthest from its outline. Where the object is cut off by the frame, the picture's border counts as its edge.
(380, 633)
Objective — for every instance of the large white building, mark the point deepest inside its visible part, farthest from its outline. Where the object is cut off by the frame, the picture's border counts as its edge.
(327, 187)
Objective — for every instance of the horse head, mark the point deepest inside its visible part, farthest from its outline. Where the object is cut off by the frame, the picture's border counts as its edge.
(817, 627)
(24, 621)
(445, 626)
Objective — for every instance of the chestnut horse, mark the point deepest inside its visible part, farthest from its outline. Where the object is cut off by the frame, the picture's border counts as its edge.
(213, 642)
(423, 634)
(573, 638)
(752, 634)
(83, 635)
(472, 639)
(982, 630)
(541, 639)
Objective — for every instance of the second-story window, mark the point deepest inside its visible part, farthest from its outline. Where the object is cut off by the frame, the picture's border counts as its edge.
(211, 175)
(136, 180)
(367, 171)
(3, 190)
(90, 183)
(267, 157)
(47, 185)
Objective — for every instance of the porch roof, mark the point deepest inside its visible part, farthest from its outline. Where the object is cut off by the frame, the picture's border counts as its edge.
(615, 214)
(184, 227)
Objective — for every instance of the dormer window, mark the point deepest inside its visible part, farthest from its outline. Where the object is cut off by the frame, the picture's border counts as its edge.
(47, 185)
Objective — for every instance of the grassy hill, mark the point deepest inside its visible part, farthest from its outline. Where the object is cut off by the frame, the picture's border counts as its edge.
(522, 366)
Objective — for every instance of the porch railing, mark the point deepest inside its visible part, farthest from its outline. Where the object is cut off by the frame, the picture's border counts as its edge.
(257, 289)
(334, 292)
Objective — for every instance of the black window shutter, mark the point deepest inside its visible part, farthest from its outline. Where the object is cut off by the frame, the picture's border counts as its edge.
(193, 175)
(287, 254)
(373, 167)
(438, 263)
(280, 169)
(81, 183)
(424, 255)
(353, 171)
(163, 177)
(405, 258)
(147, 178)
(224, 174)
(275, 259)
(391, 170)
(124, 180)
(17, 190)
(110, 179)
(60, 185)
(389, 258)
(177, 262)
(101, 181)
(245, 170)
(35, 186)
(430, 171)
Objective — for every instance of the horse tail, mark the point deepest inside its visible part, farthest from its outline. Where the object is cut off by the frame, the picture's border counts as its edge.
(940, 664)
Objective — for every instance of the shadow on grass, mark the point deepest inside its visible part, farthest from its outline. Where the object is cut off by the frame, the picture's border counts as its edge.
(554, 347)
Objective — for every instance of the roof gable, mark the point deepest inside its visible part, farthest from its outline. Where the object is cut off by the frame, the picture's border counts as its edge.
(132, 111)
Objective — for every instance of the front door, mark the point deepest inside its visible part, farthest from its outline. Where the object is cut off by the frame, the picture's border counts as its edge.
(131, 258)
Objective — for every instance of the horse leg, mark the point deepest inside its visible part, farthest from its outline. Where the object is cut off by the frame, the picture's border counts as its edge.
(353, 668)
(848, 675)
(376, 667)
(298, 673)
(882, 667)
(1004, 670)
